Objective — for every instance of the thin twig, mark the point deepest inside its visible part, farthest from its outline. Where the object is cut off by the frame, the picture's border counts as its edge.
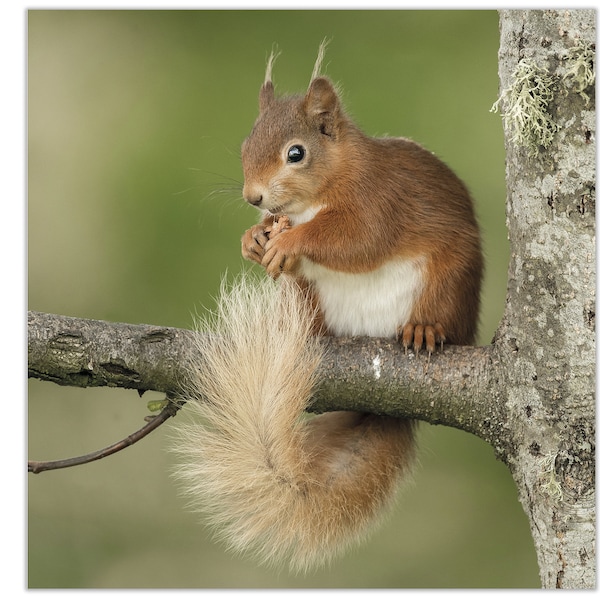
(169, 411)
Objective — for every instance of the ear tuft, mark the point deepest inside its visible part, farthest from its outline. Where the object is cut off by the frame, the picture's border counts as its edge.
(320, 56)
(267, 91)
(270, 62)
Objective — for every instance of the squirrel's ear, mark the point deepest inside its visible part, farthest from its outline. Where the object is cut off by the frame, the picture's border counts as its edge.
(322, 102)
(266, 95)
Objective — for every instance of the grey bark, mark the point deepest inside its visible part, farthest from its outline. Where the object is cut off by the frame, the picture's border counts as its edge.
(531, 393)
(546, 341)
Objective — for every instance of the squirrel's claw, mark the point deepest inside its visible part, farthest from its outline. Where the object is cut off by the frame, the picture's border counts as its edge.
(414, 335)
(276, 261)
(253, 243)
(277, 257)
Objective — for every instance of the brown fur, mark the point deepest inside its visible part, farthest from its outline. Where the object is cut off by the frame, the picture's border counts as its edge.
(385, 198)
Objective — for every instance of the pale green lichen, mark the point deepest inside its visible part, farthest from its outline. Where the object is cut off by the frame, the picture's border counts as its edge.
(580, 69)
(526, 100)
(526, 107)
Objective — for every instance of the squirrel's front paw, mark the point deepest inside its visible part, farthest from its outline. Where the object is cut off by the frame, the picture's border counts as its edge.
(277, 258)
(254, 241)
(414, 335)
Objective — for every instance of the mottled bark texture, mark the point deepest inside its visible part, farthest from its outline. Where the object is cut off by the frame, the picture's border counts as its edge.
(546, 341)
(531, 393)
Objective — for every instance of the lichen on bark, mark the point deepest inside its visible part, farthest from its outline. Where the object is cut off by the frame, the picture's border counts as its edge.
(527, 102)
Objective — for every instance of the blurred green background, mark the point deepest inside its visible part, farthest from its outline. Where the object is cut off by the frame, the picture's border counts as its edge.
(135, 213)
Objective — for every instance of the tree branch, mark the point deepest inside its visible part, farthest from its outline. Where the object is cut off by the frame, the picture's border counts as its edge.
(361, 374)
(153, 423)
(89, 353)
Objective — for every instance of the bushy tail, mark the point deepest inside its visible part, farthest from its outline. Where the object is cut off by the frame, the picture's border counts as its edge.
(273, 481)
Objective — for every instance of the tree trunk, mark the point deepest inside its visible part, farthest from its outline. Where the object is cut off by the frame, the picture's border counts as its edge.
(546, 341)
(531, 393)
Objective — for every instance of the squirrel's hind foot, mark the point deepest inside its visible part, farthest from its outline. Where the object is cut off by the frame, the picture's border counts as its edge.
(415, 335)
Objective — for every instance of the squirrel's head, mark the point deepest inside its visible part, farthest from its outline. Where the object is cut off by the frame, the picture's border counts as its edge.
(294, 146)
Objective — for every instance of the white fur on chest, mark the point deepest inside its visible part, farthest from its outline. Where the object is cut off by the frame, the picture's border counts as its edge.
(374, 303)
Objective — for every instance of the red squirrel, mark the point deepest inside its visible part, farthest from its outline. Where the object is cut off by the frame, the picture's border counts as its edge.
(381, 237)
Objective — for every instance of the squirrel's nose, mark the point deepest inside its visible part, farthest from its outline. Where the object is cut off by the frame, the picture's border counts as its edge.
(253, 194)
(254, 199)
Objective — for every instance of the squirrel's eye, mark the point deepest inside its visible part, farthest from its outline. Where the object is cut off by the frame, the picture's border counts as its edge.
(296, 153)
